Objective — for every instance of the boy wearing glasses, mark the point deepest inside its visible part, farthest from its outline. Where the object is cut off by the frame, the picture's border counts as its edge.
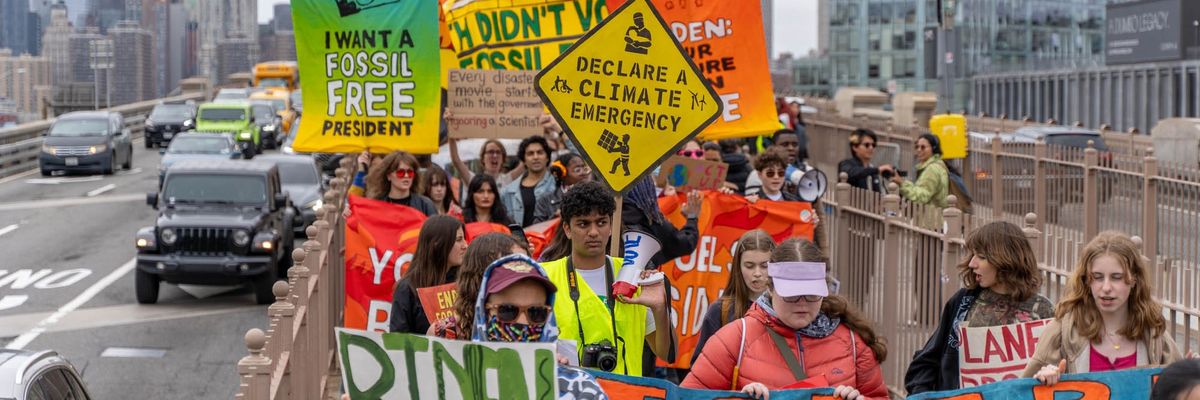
(609, 331)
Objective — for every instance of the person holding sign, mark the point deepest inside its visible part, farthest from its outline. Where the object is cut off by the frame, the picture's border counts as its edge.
(609, 331)
(795, 334)
(440, 249)
(1108, 319)
(492, 158)
(394, 180)
(1000, 280)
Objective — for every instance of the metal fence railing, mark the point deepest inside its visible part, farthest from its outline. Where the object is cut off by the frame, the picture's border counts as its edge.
(21, 144)
(294, 358)
(900, 267)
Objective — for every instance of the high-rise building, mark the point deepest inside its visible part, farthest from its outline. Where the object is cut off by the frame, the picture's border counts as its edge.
(236, 55)
(873, 43)
(79, 47)
(14, 26)
(56, 44)
(105, 13)
(277, 41)
(170, 44)
(24, 81)
(220, 21)
(283, 17)
(133, 70)
(77, 11)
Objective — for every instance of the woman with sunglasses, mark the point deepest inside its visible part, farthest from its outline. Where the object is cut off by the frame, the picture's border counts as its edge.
(394, 180)
(441, 246)
(436, 183)
(932, 184)
(483, 202)
(1000, 281)
(1108, 320)
(861, 174)
(749, 281)
(794, 331)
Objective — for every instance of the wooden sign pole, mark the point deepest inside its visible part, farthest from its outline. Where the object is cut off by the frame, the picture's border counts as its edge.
(616, 247)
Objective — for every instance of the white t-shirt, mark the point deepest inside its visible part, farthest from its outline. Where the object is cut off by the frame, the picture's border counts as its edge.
(595, 280)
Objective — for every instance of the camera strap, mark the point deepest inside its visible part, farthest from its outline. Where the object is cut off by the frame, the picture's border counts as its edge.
(572, 279)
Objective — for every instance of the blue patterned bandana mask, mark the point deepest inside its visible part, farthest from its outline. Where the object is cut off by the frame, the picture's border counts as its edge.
(498, 331)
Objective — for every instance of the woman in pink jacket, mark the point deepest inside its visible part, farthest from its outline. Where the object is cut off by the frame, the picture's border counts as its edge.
(794, 332)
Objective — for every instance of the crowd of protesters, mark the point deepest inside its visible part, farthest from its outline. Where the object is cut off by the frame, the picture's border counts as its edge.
(779, 320)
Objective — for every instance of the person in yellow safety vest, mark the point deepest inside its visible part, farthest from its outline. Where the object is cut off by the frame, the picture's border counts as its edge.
(608, 332)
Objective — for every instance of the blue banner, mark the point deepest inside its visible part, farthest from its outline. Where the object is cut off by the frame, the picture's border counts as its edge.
(1122, 385)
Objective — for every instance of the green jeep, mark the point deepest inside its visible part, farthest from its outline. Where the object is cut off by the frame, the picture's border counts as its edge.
(235, 118)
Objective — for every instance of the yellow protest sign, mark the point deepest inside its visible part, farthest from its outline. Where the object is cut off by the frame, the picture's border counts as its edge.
(627, 94)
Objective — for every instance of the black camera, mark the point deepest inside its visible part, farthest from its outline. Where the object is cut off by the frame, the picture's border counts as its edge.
(888, 174)
(601, 356)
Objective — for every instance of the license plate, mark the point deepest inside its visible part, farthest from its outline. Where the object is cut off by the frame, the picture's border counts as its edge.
(72, 161)
(168, 135)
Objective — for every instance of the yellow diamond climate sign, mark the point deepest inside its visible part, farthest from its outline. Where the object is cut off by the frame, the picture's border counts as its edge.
(627, 94)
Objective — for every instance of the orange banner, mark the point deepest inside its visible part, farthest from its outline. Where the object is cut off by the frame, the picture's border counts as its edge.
(438, 301)
(699, 279)
(727, 42)
(381, 239)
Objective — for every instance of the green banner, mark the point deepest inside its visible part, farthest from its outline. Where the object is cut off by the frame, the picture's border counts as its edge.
(371, 75)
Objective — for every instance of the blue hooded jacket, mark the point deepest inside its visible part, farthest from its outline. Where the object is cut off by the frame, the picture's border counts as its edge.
(573, 383)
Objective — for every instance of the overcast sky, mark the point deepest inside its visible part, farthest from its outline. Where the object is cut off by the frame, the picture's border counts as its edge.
(795, 23)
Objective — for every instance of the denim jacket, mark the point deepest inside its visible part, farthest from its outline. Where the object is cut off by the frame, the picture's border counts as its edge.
(510, 196)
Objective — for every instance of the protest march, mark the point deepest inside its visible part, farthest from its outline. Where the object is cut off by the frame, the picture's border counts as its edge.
(590, 199)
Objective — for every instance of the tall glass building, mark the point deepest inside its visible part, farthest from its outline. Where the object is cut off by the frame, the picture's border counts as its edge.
(873, 42)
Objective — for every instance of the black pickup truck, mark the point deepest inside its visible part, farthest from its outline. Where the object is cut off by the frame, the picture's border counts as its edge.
(220, 222)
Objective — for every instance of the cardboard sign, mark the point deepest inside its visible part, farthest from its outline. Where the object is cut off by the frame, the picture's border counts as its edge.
(438, 301)
(516, 34)
(402, 366)
(997, 353)
(628, 95)
(371, 76)
(1117, 385)
(381, 239)
(685, 173)
(493, 104)
(725, 39)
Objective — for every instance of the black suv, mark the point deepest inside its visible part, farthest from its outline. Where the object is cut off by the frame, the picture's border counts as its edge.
(221, 222)
(167, 120)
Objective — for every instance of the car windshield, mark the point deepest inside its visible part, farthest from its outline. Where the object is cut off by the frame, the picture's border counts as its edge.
(80, 127)
(294, 173)
(223, 189)
(223, 114)
(263, 113)
(1077, 140)
(231, 94)
(171, 112)
(200, 145)
(272, 82)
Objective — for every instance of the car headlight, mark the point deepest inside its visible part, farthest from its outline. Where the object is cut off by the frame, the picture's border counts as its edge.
(269, 128)
(48, 149)
(189, 123)
(264, 241)
(241, 237)
(244, 135)
(100, 148)
(145, 239)
(149, 122)
(315, 204)
(168, 236)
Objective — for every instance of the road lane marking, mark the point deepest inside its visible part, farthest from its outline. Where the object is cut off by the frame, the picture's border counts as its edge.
(12, 300)
(21, 341)
(8, 229)
(134, 171)
(101, 190)
(11, 178)
(63, 179)
(81, 201)
(129, 314)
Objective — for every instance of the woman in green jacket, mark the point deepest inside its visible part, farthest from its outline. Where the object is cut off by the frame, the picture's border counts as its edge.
(932, 184)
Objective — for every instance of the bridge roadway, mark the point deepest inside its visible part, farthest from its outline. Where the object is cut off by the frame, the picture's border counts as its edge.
(66, 284)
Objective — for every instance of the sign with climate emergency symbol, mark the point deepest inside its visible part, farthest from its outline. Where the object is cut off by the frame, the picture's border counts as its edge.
(628, 94)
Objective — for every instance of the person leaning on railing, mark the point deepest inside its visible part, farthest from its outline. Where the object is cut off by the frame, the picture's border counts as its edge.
(1108, 321)
(1000, 280)
(932, 183)
(795, 332)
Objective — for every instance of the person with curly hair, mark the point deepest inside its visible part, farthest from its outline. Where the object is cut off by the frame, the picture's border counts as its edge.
(521, 197)
(1108, 320)
(395, 180)
(1000, 284)
(588, 313)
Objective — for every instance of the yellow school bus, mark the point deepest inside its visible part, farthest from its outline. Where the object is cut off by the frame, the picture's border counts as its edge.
(284, 75)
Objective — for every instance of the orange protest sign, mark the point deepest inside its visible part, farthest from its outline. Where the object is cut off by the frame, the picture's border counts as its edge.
(725, 40)
(381, 239)
(700, 278)
(438, 301)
